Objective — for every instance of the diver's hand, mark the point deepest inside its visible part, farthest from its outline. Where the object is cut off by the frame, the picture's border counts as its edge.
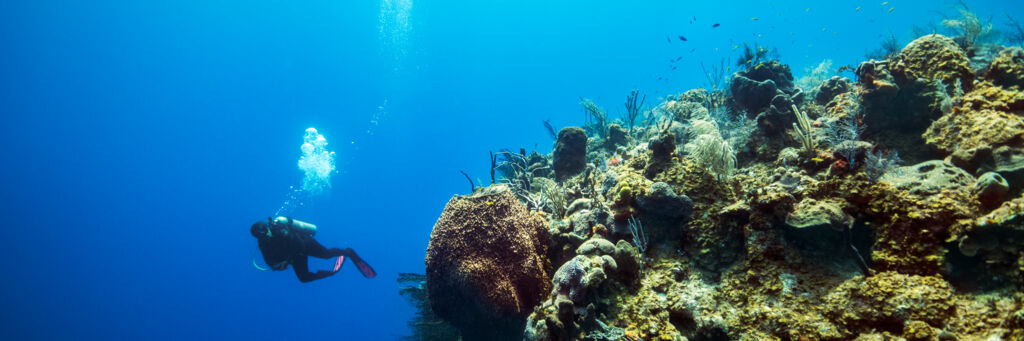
(324, 273)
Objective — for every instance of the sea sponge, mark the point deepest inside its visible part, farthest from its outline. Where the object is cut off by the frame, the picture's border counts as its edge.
(486, 264)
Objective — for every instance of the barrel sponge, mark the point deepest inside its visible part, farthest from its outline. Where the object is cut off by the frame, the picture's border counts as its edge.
(486, 265)
(570, 154)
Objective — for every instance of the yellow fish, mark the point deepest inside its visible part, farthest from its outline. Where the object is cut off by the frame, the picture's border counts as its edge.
(754, 18)
(823, 29)
(490, 203)
(885, 3)
(808, 9)
(817, 159)
(857, 9)
(890, 10)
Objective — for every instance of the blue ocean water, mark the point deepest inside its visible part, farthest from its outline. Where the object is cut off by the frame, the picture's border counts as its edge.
(141, 138)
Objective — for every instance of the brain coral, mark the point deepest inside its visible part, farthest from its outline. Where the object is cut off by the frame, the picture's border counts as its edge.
(486, 265)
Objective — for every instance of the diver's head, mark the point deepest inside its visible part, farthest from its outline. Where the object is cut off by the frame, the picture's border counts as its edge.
(260, 229)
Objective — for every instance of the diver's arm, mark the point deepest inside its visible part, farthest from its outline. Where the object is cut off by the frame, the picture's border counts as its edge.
(301, 267)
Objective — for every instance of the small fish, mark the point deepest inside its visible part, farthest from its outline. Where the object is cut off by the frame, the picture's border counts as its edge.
(716, 25)
(490, 203)
(659, 78)
(694, 18)
(885, 3)
(857, 9)
(817, 159)
(682, 38)
(680, 58)
(673, 68)
(754, 18)
(691, 50)
(890, 9)
(808, 9)
(669, 39)
(823, 29)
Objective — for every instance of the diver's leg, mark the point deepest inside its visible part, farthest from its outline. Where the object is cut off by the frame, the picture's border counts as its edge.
(319, 251)
(301, 267)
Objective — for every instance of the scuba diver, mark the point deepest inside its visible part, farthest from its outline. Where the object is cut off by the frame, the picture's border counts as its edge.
(284, 241)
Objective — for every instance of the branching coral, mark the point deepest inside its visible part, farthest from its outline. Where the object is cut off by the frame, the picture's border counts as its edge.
(889, 48)
(633, 108)
(1015, 35)
(596, 118)
(969, 29)
(639, 239)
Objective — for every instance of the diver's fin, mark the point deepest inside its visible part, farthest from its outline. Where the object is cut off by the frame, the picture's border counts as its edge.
(364, 268)
(338, 262)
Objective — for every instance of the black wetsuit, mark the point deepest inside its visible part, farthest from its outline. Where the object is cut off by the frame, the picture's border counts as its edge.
(286, 246)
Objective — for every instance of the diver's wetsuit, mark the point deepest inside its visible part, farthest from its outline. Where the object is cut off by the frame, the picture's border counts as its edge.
(288, 247)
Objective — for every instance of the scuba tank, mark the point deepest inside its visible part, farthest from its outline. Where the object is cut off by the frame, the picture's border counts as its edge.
(297, 225)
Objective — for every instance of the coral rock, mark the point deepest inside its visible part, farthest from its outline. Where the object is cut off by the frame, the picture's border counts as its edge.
(754, 88)
(936, 58)
(930, 177)
(892, 299)
(617, 136)
(660, 199)
(988, 117)
(992, 189)
(1007, 69)
(486, 265)
(1009, 162)
(810, 213)
(831, 88)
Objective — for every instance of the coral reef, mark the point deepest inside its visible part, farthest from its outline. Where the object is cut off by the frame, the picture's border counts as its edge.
(757, 214)
(486, 264)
